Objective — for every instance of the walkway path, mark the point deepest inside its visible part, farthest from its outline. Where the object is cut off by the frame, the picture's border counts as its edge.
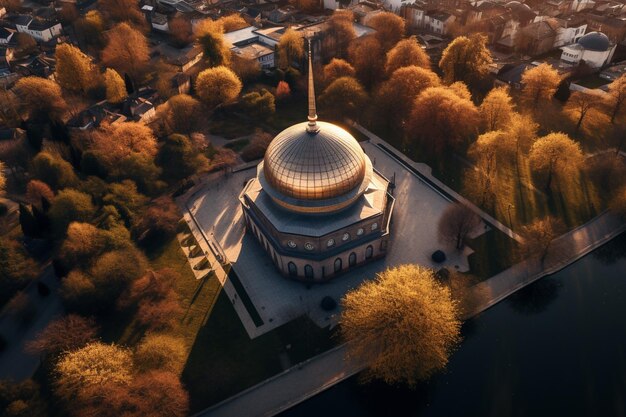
(305, 380)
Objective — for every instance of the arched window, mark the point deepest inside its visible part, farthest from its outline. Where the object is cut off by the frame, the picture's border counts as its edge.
(337, 264)
(352, 259)
(369, 251)
(308, 271)
(274, 257)
(293, 269)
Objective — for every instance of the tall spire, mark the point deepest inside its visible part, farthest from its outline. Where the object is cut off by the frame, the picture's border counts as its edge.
(312, 127)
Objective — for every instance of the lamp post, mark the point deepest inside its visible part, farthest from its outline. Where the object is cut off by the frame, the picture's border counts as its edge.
(509, 210)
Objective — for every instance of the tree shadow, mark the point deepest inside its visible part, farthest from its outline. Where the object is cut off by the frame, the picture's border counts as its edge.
(613, 251)
(535, 298)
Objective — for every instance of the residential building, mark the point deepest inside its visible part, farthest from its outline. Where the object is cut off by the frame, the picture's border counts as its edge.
(594, 49)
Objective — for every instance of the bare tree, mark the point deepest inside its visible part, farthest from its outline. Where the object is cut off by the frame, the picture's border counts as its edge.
(456, 223)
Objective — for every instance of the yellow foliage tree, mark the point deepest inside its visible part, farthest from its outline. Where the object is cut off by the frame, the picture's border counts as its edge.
(403, 325)
(496, 110)
(390, 28)
(115, 142)
(180, 114)
(123, 11)
(406, 53)
(344, 97)
(465, 59)
(337, 68)
(210, 35)
(127, 50)
(341, 32)
(41, 98)
(217, 86)
(115, 87)
(290, 48)
(617, 96)
(74, 70)
(554, 155)
(161, 352)
(539, 83)
(441, 119)
(233, 22)
(366, 54)
(396, 95)
(93, 365)
(539, 234)
(581, 104)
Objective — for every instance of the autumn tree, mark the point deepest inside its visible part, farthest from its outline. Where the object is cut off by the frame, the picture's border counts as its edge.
(441, 119)
(396, 96)
(403, 325)
(344, 97)
(233, 22)
(9, 108)
(92, 365)
(257, 146)
(337, 68)
(3, 180)
(74, 70)
(496, 110)
(82, 245)
(53, 170)
(126, 50)
(555, 155)
(539, 234)
(580, 104)
(218, 86)
(180, 114)
(70, 205)
(90, 28)
(17, 269)
(366, 54)
(487, 151)
(179, 159)
(457, 222)
(406, 53)
(122, 11)
(389, 27)
(607, 171)
(259, 104)
(465, 59)
(158, 221)
(539, 83)
(617, 96)
(114, 142)
(115, 87)
(66, 334)
(41, 99)
(341, 32)
(160, 352)
(155, 393)
(283, 91)
(181, 31)
(290, 48)
(210, 36)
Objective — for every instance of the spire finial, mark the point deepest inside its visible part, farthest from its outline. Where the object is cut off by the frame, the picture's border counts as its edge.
(312, 127)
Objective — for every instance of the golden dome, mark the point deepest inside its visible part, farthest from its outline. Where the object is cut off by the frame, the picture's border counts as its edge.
(314, 167)
(315, 172)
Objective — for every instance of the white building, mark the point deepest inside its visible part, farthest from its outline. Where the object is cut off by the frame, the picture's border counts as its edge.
(438, 22)
(569, 35)
(41, 30)
(595, 49)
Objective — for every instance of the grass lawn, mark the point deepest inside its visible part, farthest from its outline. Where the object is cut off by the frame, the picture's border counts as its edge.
(224, 360)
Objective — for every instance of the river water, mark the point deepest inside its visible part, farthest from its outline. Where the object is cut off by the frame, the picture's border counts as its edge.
(557, 348)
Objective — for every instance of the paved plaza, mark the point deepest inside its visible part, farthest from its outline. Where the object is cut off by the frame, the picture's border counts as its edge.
(215, 209)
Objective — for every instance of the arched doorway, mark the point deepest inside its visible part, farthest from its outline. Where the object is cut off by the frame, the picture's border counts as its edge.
(338, 265)
(369, 251)
(293, 269)
(308, 271)
(352, 259)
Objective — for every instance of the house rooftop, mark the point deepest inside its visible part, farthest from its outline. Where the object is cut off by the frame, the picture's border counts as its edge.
(252, 51)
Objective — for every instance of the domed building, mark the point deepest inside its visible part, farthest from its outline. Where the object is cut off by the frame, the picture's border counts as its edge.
(317, 206)
(594, 48)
